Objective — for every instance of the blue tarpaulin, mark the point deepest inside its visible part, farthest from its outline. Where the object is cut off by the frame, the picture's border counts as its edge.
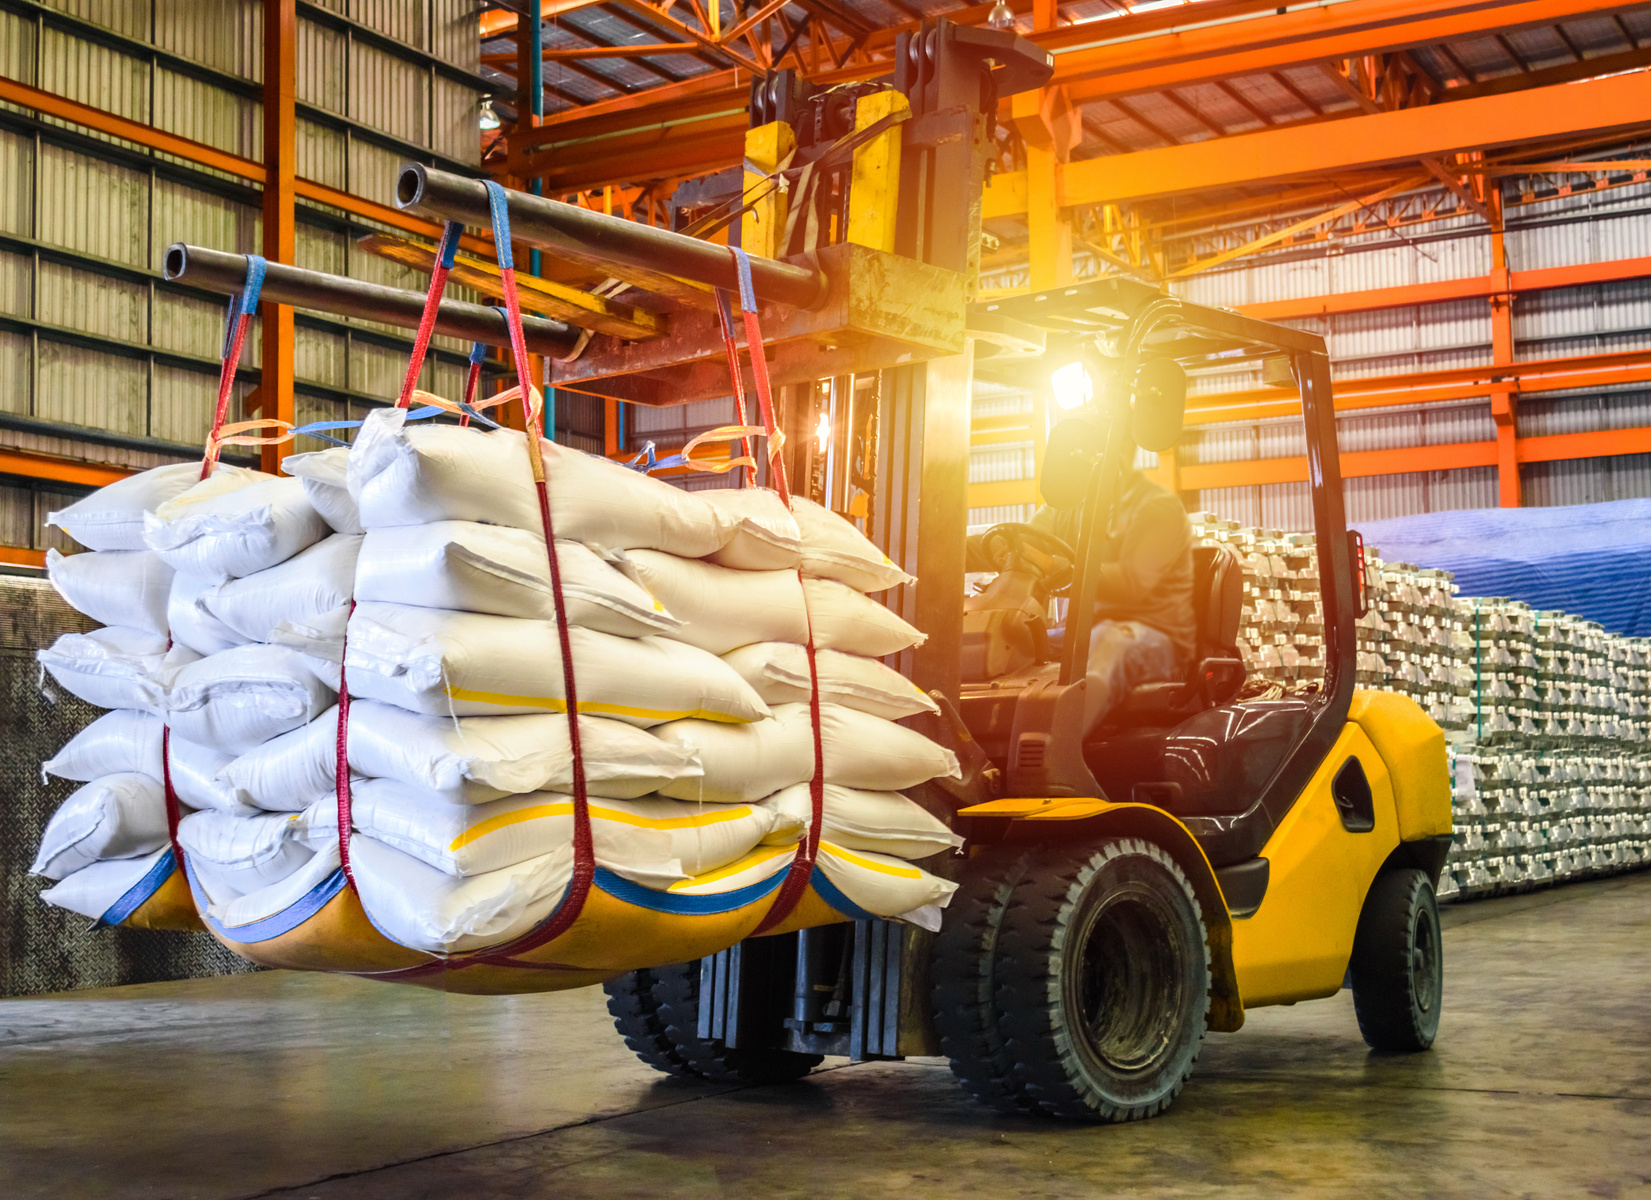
(1591, 560)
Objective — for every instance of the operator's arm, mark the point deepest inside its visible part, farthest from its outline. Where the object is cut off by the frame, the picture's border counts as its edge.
(1156, 539)
(1047, 519)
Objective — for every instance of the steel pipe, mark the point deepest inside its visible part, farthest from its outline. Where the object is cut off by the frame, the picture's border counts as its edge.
(594, 238)
(216, 271)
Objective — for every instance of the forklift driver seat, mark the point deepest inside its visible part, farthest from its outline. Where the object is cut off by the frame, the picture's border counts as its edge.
(1217, 672)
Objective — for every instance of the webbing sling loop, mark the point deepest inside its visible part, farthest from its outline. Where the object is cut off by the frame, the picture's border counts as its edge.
(801, 871)
(173, 812)
(445, 255)
(478, 351)
(240, 316)
(341, 760)
(747, 477)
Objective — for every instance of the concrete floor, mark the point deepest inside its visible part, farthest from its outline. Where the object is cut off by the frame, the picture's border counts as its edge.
(282, 1084)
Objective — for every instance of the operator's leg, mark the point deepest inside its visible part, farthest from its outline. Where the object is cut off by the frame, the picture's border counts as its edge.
(1123, 654)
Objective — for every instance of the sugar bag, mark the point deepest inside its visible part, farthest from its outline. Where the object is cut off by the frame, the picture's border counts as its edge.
(116, 587)
(117, 816)
(224, 532)
(111, 518)
(404, 474)
(778, 672)
(326, 483)
(471, 567)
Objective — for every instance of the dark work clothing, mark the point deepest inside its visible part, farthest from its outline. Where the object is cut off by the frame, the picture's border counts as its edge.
(1146, 561)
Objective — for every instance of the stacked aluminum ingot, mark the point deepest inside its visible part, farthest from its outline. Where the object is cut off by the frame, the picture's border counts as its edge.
(1548, 716)
(1529, 815)
(1556, 783)
(1281, 636)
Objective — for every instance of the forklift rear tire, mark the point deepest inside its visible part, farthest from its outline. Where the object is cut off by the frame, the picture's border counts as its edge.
(676, 988)
(1398, 965)
(1105, 981)
(965, 980)
(635, 1013)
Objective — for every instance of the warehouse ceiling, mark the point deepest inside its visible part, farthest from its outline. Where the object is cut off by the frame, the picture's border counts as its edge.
(640, 95)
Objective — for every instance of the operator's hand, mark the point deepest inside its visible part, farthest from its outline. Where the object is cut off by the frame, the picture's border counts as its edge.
(995, 545)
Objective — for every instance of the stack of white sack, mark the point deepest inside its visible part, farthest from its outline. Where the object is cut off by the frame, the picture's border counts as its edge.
(695, 735)
(165, 546)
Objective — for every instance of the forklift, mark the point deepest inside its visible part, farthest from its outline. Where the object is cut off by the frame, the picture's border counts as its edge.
(1123, 890)
(1121, 893)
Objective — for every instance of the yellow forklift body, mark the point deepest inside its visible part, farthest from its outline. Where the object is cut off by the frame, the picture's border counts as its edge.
(1297, 944)
(1413, 747)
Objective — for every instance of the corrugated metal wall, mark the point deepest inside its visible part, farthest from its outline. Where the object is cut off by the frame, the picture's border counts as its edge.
(92, 341)
(1603, 318)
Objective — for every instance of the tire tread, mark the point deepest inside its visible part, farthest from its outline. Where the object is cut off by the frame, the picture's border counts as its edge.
(1036, 922)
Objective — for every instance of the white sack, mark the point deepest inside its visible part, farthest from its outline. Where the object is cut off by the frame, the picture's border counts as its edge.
(326, 482)
(414, 904)
(233, 856)
(277, 897)
(128, 740)
(222, 532)
(414, 474)
(885, 886)
(112, 667)
(856, 819)
(123, 740)
(765, 534)
(196, 781)
(192, 623)
(242, 697)
(438, 662)
(834, 549)
(845, 620)
(111, 518)
(748, 762)
(470, 567)
(470, 839)
(778, 672)
(116, 587)
(93, 890)
(722, 609)
(467, 761)
(308, 593)
(118, 816)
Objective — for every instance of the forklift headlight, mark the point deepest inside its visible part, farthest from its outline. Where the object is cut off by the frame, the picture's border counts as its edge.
(1072, 386)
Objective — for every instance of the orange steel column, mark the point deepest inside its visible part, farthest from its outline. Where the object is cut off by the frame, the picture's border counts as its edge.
(280, 87)
(1503, 395)
(1049, 126)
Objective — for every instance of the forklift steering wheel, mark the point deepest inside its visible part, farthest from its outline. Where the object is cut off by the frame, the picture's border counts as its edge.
(1016, 534)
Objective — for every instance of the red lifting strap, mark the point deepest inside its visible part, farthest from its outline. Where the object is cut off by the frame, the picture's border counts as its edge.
(584, 846)
(415, 363)
(801, 871)
(240, 316)
(173, 813)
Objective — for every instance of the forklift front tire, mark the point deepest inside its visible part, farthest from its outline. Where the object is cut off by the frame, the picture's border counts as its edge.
(1105, 973)
(963, 972)
(676, 988)
(1398, 963)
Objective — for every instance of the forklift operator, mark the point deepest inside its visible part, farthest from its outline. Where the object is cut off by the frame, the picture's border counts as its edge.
(1145, 624)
